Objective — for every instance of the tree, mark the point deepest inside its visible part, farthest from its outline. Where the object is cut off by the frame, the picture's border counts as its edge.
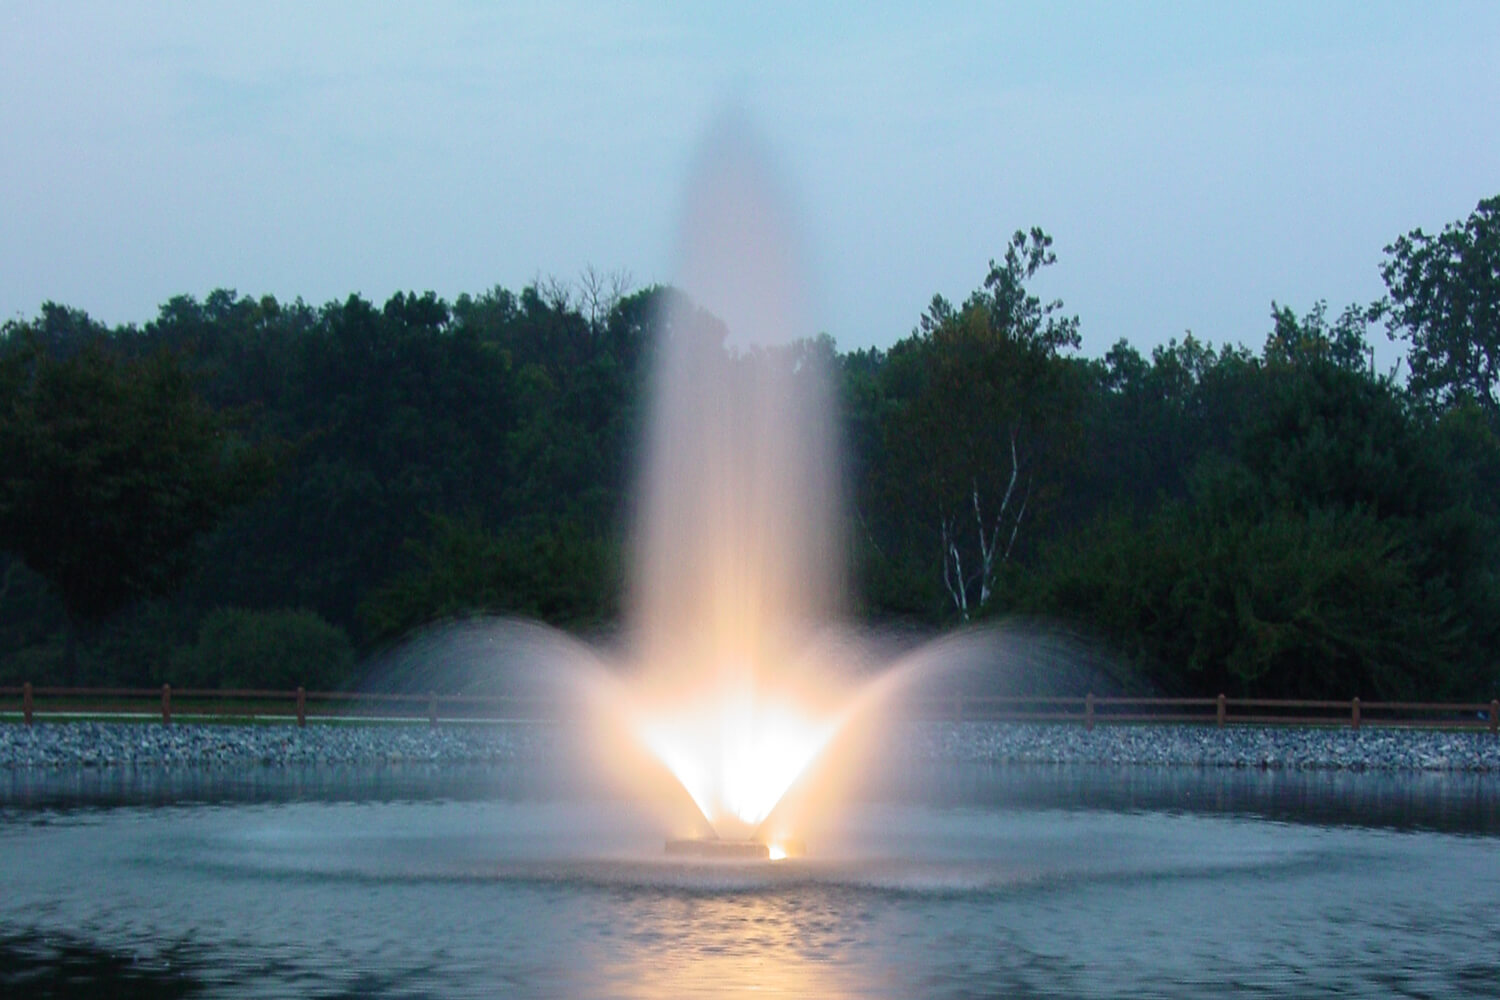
(1230, 591)
(1443, 299)
(111, 472)
(1338, 539)
(1149, 421)
(558, 573)
(990, 418)
(1312, 339)
(600, 294)
(278, 649)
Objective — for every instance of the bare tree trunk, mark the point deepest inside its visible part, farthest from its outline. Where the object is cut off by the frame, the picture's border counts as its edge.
(599, 293)
(988, 533)
(953, 570)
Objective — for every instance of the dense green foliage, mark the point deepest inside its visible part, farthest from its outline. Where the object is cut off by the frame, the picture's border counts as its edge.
(269, 650)
(978, 417)
(113, 469)
(1445, 302)
(552, 573)
(1281, 521)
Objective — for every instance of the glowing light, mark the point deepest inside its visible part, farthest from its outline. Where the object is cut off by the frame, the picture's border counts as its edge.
(776, 852)
(736, 756)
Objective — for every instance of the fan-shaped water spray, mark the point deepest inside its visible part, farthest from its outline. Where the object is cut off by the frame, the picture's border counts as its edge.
(734, 674)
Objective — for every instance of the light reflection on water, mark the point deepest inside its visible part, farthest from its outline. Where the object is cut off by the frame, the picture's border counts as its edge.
(959, 882)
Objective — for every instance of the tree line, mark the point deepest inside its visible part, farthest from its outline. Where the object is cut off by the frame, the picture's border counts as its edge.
(247, 492)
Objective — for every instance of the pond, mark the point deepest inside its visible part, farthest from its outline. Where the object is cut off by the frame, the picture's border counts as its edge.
(942, 880)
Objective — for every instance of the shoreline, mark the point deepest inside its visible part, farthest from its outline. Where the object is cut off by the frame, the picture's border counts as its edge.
(92, 744)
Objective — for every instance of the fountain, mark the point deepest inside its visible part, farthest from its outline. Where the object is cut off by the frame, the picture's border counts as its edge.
(738, 685)
(736, 697)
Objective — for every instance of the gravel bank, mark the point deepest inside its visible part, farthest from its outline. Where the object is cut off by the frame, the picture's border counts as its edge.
(1369, 749)
(116, 744)
(104, 744)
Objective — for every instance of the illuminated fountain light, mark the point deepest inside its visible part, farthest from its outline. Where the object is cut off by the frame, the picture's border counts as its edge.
(738, 758)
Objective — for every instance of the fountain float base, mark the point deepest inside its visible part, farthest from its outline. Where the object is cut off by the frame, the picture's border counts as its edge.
(733, 850)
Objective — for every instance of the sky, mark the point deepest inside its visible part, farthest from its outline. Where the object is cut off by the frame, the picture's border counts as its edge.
(1193, 162)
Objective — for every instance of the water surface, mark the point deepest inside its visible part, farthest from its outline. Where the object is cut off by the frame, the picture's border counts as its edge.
(943, 881)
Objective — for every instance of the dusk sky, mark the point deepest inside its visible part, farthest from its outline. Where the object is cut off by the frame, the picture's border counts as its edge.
(1192, 161)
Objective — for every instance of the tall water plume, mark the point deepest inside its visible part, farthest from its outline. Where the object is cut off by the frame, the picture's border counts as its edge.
(738, 558)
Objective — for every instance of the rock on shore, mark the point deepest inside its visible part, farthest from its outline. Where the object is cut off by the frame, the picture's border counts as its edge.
(116, 744)
(1296, 748)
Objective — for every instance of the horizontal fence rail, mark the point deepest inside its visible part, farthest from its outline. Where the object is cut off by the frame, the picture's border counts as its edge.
(1219, 711)
(32, 702)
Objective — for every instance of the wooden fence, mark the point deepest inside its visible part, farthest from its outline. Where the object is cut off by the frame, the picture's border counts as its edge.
(165, 702)
(168, 703)
(1224, 710)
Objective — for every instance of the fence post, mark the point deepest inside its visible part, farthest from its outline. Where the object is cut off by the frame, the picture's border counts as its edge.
(432, 708)
(1223, 709)
(1088, 712)
(26, 705)
(301, 706)
(1354, 713)
(1494, 714)
(166, 704)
